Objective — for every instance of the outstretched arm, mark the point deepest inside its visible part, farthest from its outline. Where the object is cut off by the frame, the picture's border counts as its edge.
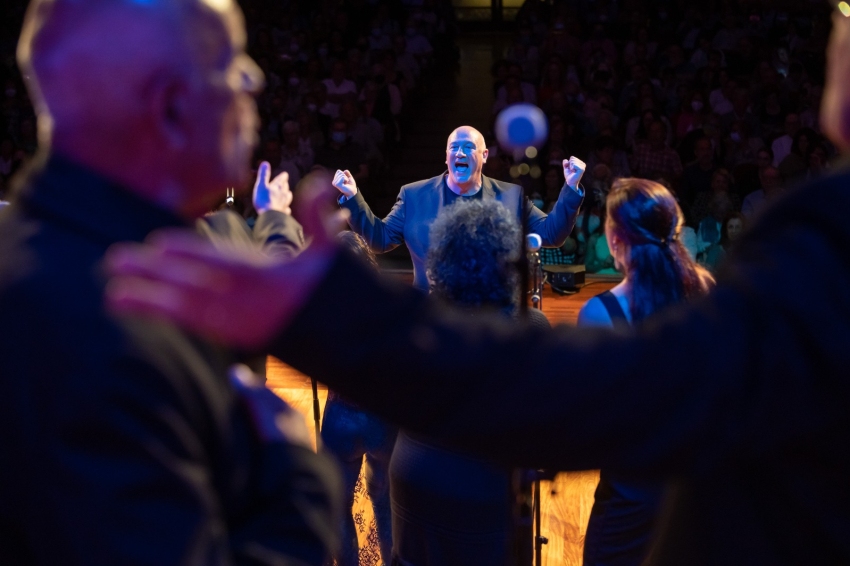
(557, 226)
(381, 235)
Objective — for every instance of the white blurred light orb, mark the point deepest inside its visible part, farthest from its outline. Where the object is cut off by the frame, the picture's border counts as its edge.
(521, 126)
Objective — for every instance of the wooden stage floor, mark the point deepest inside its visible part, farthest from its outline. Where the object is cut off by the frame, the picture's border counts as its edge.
(566, 501)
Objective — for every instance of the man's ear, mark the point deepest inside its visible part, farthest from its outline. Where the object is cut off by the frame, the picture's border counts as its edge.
(485, 153)
(168, 108)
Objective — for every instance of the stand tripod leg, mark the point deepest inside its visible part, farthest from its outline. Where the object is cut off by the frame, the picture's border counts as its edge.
(316, 416)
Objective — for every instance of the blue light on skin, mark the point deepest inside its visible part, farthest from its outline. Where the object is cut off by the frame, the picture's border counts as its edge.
(465, 156)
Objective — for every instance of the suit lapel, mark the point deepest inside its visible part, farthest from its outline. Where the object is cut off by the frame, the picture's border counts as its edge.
(439, 182)
(508, 197)
(488, 189)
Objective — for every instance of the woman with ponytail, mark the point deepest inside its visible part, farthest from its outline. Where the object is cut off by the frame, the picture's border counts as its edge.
(643, 226)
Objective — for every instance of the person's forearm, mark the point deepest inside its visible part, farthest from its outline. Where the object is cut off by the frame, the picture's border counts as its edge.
(555, 228)
(382, 235)
(506, 391)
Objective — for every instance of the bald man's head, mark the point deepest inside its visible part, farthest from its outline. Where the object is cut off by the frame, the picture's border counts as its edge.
(156, 94)
(466, 153)
(467, 132)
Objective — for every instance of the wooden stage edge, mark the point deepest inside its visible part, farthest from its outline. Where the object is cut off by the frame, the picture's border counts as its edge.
(565, 502)
(559, 309)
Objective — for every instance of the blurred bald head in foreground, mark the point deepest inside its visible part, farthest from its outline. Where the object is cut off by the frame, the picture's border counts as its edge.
(156, 95)
(133, 442)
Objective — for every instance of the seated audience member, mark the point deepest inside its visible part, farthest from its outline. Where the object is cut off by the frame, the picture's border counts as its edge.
(378, 39)
(691, 116)
(772, 187)
(772, 118)
(340, 152)
(352, 435)
(450, 509)
(687, 235)
(721, 182)
(741, 147)
(363, 130)
(637, 128)
(696, 177)
(397, 75)
(643, 226)
(377, 102)
(733, 225)
(326, 111)
(294, 150)
(405, 60)
(310, 134)
(390, 90)
(417, 44)
(514, 80)
(598, 257)
(764, 158)
(710, 227)
(605, 152)
(781, 146)
(818, 161)
(589, 223)
(273, 153)
(795, 165)
(721, 98)
(741, 113)
(339, 88)
(655, 157)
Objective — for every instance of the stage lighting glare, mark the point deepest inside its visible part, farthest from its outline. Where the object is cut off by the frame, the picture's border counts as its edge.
(535, 172)
(531, 152)
(514, 171)
(519, 126)
(524, 169)
(844, 8)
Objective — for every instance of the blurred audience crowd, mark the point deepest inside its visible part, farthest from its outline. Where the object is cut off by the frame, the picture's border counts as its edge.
(717, 101)
(339, 78)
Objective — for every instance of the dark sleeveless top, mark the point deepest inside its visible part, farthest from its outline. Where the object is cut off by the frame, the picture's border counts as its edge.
(624, 512)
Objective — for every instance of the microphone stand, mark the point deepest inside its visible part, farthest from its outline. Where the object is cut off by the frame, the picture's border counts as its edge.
(527, 509)
(316, 417)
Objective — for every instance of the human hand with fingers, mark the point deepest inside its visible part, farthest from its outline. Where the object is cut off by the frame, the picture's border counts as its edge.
(574, 168)
(344, 182)
(272, 194)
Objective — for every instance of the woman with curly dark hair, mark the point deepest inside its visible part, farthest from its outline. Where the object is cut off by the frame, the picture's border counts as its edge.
(643, 226)
(450, 509)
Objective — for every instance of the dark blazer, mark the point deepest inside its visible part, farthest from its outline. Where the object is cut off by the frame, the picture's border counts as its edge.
(123, 442)
(740, 399)
(418, 205)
